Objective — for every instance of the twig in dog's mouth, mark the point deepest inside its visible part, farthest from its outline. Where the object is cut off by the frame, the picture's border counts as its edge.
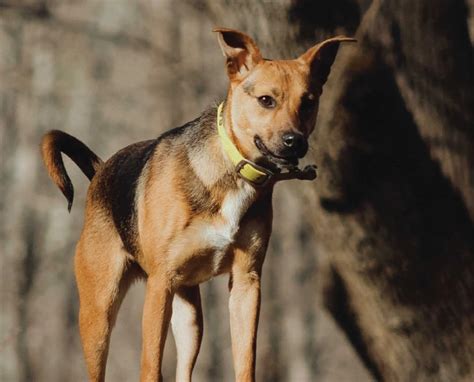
(288, 162)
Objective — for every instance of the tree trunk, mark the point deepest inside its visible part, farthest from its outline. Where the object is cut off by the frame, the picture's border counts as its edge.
(395, 199)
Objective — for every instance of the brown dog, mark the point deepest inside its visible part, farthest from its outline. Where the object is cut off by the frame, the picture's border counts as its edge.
(192, 204)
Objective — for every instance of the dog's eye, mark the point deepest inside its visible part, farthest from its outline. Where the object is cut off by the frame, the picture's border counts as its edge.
(267, 102)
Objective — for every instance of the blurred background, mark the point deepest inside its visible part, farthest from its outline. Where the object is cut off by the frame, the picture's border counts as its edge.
(370, 270)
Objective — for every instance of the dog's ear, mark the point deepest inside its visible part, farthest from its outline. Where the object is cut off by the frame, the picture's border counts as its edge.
(320, 59)
(241, 52)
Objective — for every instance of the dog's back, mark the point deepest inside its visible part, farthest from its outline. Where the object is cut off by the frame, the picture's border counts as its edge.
(183, 165)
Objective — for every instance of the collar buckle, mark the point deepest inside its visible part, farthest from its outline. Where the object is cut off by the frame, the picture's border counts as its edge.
(267, 175)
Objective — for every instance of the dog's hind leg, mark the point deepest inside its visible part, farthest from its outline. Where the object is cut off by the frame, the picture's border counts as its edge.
(187, 326)
(102, 278)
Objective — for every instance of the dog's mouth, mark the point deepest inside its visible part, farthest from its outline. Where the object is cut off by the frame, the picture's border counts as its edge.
(279, 161)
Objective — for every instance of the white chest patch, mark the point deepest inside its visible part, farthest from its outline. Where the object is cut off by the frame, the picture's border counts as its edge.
(233, 208)
(208, 171)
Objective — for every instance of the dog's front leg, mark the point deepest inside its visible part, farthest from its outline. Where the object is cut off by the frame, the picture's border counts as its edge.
(186, 323)
(156, 318)
(244, 306)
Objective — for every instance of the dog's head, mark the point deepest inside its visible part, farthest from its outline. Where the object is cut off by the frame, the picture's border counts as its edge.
(274, 103)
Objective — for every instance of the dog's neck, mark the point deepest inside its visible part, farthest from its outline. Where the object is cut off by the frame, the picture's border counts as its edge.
(210, 160)
(229, 130)
(253, 173)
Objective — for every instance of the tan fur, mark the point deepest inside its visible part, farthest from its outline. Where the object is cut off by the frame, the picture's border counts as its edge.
(191, 218)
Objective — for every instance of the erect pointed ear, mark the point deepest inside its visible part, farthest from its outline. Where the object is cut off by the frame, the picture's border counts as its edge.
(321, 57)
(240, 50)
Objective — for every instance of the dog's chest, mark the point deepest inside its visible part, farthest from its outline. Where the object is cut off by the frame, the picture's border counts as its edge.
(202, 251)
(221, 232)
(218, 233)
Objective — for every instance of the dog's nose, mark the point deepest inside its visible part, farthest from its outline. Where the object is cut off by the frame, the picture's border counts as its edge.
(296, 144)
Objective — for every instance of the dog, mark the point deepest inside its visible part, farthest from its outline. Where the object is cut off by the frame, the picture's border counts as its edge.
(192, 204)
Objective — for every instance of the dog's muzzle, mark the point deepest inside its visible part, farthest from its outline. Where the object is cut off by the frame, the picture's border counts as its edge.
(286, 157)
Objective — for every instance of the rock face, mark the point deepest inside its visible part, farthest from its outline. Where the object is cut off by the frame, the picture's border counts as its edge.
(112, 73)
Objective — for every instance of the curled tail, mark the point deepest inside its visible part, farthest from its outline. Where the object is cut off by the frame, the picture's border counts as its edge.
(56, 142)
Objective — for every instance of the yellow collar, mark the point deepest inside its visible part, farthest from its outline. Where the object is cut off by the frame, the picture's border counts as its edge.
(252, 173)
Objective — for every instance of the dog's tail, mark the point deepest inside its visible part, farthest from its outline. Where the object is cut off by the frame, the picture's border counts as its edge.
(56, 142)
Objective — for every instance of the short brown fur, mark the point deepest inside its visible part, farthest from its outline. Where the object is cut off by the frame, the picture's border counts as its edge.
(175, 212)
